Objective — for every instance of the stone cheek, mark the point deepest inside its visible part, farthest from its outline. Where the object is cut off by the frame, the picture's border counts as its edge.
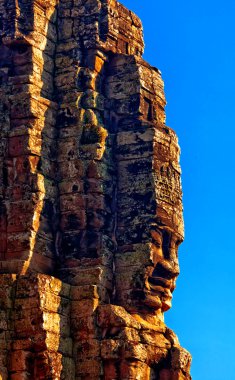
(90, 197)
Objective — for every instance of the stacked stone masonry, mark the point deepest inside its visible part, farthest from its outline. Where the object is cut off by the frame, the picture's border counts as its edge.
(90, 198)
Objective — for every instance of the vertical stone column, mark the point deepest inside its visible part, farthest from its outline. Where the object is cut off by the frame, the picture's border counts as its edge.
(28, 189)
(86, 177)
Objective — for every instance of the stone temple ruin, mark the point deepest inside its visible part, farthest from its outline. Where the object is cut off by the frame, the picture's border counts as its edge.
(90, 197)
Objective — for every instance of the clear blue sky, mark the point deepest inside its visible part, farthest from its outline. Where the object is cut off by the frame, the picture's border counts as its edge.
(192, 43)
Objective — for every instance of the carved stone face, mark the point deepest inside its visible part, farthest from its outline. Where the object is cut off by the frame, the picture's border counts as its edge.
(161, 277)
(147, 265)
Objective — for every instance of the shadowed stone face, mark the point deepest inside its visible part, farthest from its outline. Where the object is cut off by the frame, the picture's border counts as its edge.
(161, 278)
(147, 262)
(154, 281)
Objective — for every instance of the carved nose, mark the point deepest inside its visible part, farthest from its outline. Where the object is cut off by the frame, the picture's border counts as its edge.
(166, 269)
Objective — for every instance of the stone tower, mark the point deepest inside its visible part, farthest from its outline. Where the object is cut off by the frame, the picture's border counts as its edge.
(90, 198)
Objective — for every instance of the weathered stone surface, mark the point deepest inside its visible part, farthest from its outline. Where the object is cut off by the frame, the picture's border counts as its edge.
(90, 197)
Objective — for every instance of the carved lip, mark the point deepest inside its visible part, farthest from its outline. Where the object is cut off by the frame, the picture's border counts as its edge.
(161, 284)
